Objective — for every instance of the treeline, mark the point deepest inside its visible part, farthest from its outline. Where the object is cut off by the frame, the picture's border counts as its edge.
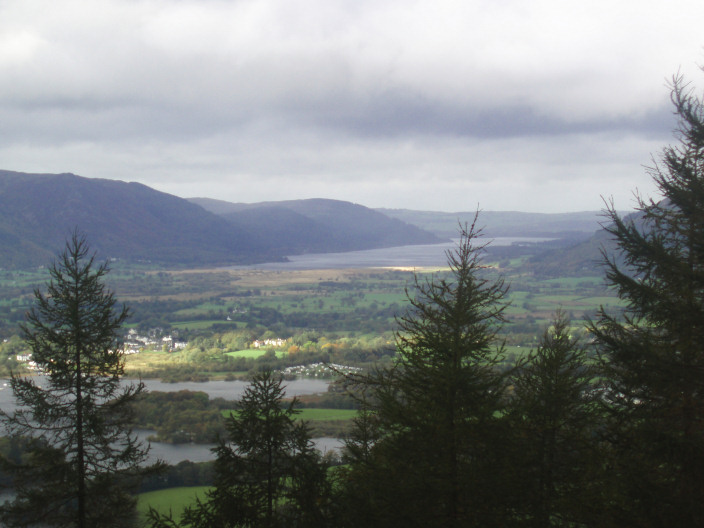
(181, 417)
(185, 473)
(164, 313)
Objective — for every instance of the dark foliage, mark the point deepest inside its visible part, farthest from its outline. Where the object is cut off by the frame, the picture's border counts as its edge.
(185, 473)
(425, 452)
(181, 417)
(653, 356)
(267, 472)
(555, 417)
(80, 459)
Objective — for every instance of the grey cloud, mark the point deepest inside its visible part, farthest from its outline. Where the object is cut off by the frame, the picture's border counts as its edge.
(419, 103)
(401, 114)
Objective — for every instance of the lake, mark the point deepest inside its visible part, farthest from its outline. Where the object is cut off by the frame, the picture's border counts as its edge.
(229, 390)
(233, 390)
(420, 256)
(175, 453)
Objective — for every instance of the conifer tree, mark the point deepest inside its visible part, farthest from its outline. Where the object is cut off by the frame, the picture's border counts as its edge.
(653, 354)
(82, 457)
(436, 410)
(359, 489)
(267, 472)
(554, 420)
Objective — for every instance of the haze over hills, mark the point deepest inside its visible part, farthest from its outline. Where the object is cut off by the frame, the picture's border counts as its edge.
(319, 225)
(134, 222)
(137, 223)
(121, 220)
(577, 225)
(584, 257)
(574, 249)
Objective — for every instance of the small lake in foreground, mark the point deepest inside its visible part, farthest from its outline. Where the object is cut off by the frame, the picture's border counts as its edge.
(233, 390)
(175, 453)
(229, 390)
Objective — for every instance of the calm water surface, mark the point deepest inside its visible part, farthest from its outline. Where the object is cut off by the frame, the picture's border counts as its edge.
(175, 453)
(229, 390)
(429, 255)
(233, 390)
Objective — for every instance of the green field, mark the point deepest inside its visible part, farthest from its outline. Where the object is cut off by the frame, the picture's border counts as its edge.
(198, 325)
(173, 500)
(349, 301)
(326, 414)
(253, 353)
(340, 316)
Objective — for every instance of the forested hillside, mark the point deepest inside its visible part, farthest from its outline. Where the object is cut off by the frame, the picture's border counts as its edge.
(126, 220)
(320, 226)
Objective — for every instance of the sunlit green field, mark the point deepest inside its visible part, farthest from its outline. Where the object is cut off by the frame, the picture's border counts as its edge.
(326, 414)
(173, 500)
(255, 353)
(343, 309)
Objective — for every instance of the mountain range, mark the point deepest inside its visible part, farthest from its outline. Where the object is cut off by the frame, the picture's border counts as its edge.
(318, 225)
(577, 225)
(135, 223)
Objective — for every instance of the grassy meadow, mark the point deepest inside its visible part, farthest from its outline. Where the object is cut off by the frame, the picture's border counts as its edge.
(170, 500)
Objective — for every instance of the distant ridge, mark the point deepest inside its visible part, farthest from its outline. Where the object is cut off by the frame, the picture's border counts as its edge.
(504, 223)
(121, 220)
(320, 225)
(584, 258)
(134, 222)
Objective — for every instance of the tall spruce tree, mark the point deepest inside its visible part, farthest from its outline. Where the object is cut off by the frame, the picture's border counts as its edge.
(653, 354)
(436, 411)
(554, 420)
(81, 458)
(267, 472)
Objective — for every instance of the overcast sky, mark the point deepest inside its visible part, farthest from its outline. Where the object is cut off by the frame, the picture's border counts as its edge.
(545, 105)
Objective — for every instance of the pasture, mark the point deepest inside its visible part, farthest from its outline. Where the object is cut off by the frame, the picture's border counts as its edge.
(173, 500)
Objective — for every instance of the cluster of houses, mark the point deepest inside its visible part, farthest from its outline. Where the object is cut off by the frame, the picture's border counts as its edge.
(320, 370)
(135, 342)
(278, 342)
(27, 360)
